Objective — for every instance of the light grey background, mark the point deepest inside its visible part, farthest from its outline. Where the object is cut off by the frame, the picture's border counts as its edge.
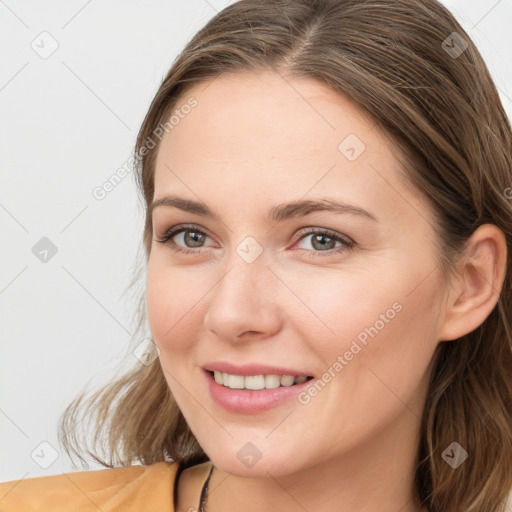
(68, 122)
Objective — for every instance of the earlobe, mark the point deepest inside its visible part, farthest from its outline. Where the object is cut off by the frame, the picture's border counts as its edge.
(481, 272)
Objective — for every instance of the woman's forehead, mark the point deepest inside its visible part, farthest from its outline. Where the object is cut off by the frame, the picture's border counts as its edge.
(281, 142)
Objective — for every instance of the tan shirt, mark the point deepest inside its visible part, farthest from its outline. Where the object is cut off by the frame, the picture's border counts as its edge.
(133, 488)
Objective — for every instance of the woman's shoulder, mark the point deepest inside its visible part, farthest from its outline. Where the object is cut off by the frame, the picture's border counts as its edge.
(149, 488)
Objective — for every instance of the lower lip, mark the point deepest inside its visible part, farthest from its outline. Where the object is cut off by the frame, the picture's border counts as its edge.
(248, 401)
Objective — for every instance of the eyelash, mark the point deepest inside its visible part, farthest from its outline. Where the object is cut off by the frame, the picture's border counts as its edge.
(347, 242)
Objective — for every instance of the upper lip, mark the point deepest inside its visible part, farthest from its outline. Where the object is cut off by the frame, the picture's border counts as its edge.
(252, 369)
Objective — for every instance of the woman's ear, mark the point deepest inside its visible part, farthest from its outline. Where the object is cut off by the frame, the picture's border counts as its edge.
(480, 274)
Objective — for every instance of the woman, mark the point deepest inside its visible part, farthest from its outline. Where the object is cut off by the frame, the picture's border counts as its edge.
(328, 281)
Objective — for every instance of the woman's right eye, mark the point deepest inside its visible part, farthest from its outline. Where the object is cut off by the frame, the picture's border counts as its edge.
(190, 235)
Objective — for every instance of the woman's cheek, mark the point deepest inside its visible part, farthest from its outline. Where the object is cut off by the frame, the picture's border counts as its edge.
(165, 302)
(175, 310)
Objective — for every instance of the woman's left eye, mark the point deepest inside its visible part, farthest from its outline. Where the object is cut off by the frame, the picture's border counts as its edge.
(322, 240)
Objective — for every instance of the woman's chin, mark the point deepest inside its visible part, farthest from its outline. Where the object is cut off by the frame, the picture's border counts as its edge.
(250, 462)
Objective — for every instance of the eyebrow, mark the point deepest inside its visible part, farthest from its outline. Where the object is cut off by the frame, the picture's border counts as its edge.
(278, 213)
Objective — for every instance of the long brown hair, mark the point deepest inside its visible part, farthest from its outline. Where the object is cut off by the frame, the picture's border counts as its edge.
(412, 67)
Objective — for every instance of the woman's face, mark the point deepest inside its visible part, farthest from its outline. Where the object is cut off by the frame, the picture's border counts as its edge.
(351, 296)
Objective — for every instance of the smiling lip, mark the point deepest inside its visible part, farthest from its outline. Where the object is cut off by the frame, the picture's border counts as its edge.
(252, 369)
(245, 401)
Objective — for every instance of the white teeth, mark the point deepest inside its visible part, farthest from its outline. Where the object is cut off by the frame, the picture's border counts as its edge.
(256, 382)
(234, 381)
(272, 381)
(287, 380)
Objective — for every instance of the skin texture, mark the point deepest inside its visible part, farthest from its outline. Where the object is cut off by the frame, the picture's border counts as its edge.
(254, 141)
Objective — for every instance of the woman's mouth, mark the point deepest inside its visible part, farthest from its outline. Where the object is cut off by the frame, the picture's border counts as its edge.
(257, 382)
(252, 394)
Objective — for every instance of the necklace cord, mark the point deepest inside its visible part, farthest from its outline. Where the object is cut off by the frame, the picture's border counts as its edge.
(204, 490)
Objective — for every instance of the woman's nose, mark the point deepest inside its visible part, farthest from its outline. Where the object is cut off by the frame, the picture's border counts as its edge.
(245, 299)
